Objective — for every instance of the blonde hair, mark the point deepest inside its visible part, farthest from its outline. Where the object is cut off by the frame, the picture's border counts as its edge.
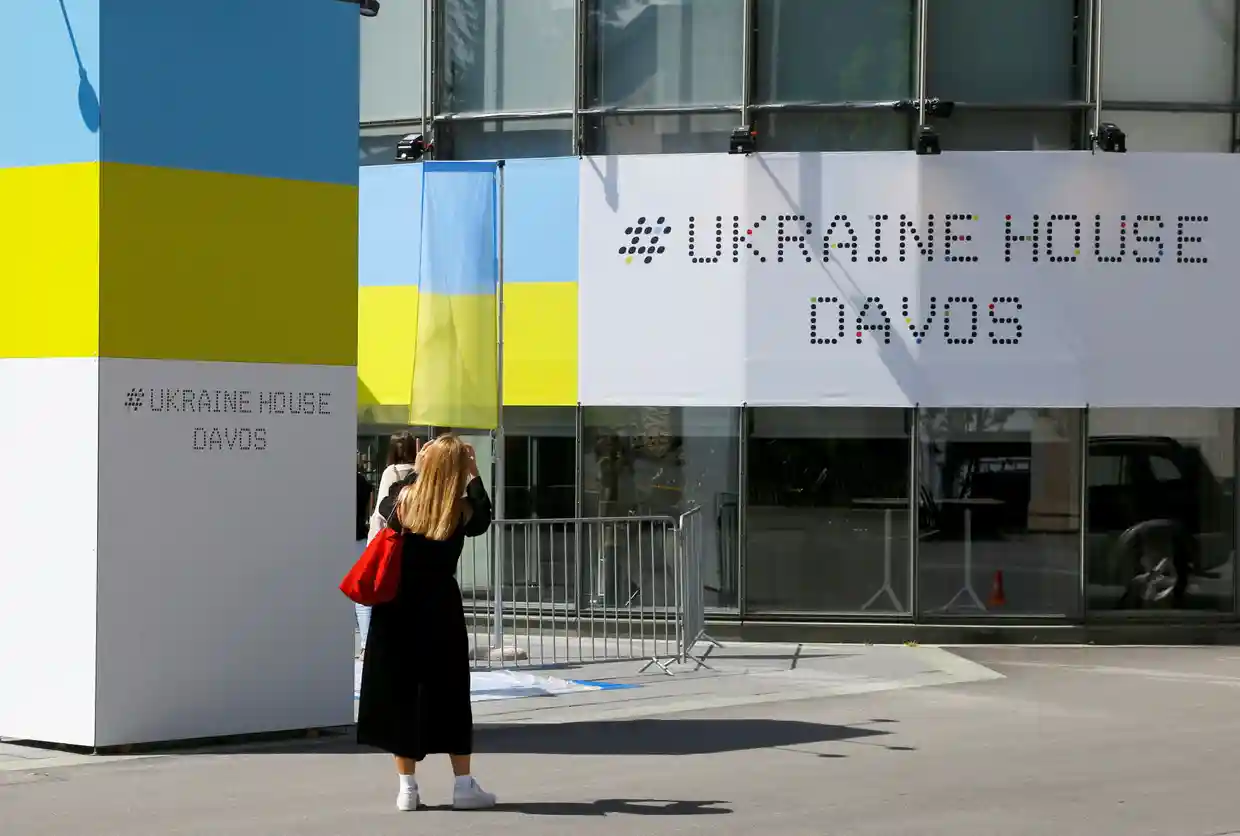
(432, 505)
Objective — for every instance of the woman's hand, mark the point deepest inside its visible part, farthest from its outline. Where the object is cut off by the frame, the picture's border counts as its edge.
(471, 462)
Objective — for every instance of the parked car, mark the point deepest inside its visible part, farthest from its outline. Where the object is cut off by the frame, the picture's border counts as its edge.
(1157, 515)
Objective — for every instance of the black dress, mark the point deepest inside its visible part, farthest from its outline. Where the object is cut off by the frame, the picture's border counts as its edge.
(415, 677)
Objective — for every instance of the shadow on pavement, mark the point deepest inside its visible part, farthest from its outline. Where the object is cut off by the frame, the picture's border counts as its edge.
(609, 807)
(615, 737)
(660, 737)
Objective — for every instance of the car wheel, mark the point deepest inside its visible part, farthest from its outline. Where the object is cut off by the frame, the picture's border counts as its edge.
(1155, 560)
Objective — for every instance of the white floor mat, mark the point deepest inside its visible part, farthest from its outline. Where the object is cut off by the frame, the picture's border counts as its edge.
(511, 685)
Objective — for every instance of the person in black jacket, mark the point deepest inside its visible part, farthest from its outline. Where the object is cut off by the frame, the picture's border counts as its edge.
(415, 696)
(365, 492)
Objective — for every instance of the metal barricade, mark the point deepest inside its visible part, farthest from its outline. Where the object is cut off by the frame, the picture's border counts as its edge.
(558, 592)
(690, 531)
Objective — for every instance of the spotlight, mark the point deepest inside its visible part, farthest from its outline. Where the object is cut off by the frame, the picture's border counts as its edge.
(412, 148)
(368, 8)
(1111, 139)
(744, 140)
(928, 142)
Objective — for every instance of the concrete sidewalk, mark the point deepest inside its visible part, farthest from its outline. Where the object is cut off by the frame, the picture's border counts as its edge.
(738, 675)
(1070, 742)
(563, 764)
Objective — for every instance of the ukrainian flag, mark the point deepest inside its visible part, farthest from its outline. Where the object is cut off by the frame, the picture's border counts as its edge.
(455, 359)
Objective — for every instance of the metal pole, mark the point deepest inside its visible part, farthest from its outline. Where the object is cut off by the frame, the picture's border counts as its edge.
(1235, 501)
(499, 346)
(1235, 80)
(497, 446)
(1088, 78)
(747, 56)
(1082, 510)
(922, 29)
(579, 72)
(427, 40)
(579, 469)
(914, 517)
(1097, 67)
(742, 508)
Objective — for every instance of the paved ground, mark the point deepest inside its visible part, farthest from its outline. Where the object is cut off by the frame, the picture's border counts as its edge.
(823, 741)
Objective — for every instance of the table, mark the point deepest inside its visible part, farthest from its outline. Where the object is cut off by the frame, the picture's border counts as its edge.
(966, 590)
(889, 505)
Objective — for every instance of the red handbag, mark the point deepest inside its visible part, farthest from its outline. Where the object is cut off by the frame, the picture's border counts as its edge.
(375, 577)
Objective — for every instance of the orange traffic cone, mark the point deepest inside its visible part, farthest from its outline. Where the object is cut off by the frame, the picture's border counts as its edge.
(997, 596)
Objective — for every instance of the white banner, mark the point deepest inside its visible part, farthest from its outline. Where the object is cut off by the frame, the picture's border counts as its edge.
(651, 331)
(968, 279)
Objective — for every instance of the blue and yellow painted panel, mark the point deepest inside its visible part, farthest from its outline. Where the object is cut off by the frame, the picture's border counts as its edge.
(49, 261)
(110, 260)
(260, 87)
(226, 267)
(213, 214)
(540, 282)
(540, 344)
(540, 285)
(389, 254)
(386, 337)
(389, 218)
(49, 82)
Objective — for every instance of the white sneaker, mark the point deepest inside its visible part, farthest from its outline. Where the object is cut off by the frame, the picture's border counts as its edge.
(407, 800)
(468, 795)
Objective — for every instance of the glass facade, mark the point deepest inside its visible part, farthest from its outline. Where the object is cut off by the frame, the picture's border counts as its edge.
(526, 78)
(881, 514)
(999, 512)
(1160, 504)
(922, 515)
(662, 461)
(677, 52)
(827, 513)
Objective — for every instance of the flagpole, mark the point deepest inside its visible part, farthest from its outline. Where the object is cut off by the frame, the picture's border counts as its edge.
(497, 446)
(499, 352)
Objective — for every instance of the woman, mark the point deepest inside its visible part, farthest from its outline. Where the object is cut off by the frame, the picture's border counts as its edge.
(402, 453)
(415, 678)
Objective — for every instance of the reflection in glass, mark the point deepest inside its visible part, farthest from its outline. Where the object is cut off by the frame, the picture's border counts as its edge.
(509, 139)
(540, 446)
(984, 130)
(695, 133)
(391, 65)
(827, 510)
(1155, 51)
(857, 131)
(1161, 502)
(656, 461)
(1009, 52)
(834, 50)
(670, 52)
(999, 512)
(1207, 133)
(540, 449)
(507, 54)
